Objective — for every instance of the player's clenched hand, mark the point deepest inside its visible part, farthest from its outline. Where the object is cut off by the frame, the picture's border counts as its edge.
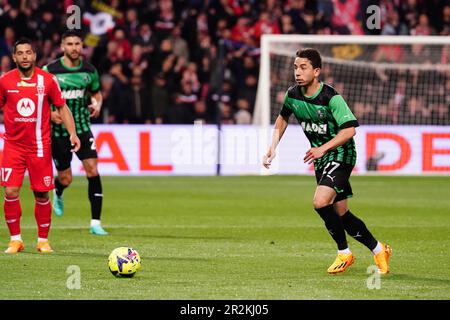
(75, 142)
(312, 154)
(268, 157)
(56, 118)
(94, 108)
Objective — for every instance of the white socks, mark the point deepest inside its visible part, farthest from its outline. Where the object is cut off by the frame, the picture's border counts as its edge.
(17, 237)
(346, 251)
(378, 248)
(95, 222)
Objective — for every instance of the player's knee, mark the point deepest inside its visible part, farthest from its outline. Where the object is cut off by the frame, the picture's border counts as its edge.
(321, 202)
(12, 192)
(65, 180)
(92, 172)
(41, 196)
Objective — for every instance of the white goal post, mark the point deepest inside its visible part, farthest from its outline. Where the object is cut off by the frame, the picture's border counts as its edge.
(390, 80)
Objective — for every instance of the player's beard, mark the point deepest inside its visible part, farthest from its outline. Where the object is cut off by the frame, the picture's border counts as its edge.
(74, 58)
(25, 69)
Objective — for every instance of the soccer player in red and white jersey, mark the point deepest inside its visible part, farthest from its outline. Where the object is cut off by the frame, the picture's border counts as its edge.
(26, 95)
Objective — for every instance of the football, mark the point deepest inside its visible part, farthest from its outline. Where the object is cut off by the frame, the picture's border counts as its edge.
(124, 262)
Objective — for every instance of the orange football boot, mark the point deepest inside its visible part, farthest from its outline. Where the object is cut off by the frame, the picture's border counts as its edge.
(15, 246)
(342, 262)
(44, 247)
(382, 259)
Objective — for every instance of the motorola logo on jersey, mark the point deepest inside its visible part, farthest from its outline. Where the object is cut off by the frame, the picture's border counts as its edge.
(25, 107)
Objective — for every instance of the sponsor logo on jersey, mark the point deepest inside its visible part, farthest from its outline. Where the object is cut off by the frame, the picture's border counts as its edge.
(25, 84)
(25, 119)
(314, 127)
(13, 91)
(73, 94)
(25, 107)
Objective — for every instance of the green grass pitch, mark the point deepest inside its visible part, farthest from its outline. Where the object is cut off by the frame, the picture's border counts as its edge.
(235, 238)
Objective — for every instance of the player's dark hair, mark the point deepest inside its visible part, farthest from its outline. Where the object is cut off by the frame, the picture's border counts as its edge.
(71, 33)
(22, 41)
(312, 55)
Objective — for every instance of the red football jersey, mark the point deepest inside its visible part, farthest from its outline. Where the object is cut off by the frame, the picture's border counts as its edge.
(26, 103)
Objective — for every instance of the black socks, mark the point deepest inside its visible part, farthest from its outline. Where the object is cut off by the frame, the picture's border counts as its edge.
(59, 188)
(334, 225)
(95, 196)
(358, 230)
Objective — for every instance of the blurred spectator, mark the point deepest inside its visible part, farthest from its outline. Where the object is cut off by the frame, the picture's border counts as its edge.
(7, 41)
(132, 23)
(444, 22)
(160, 99)
(200, 112)
(179, 45)
(182, 111)
(393, 26)
(113, 100)
(265, 25)
(139, 107)
(243, 115)
(6, 64)
(124, 46)
(346, 17)
(47, 24)
(423, 28)
(166, 19)
(146, 39)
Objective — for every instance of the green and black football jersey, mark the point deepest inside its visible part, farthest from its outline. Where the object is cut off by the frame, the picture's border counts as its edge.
(321, 117)
(77, 84)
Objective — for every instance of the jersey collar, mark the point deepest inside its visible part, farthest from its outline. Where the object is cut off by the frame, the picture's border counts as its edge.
(315, 94)
(74, 68)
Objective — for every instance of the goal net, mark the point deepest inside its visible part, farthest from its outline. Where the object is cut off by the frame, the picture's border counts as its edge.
(386, 80)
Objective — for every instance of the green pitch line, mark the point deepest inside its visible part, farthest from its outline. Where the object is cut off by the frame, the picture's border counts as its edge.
(234, 238)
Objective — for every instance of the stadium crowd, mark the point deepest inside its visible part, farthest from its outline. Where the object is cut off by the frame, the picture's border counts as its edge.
(160, 61)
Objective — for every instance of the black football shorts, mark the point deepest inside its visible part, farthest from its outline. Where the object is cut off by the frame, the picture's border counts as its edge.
(336, 175)
(62, 156)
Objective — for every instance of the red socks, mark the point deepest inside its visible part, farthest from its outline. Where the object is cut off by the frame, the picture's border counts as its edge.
(43, 214)
(13, 212)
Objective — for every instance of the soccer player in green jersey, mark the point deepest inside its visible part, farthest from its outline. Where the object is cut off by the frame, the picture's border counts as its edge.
(80, 85)
(329, 126)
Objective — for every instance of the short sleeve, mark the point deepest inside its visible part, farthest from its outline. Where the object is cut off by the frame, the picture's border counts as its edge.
(286, 110)
(55, 94)
(94, 86)
(342, 113)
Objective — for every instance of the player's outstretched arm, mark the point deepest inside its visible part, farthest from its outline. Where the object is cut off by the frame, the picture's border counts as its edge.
(280, 127)
(67, 120)
(341, 138)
